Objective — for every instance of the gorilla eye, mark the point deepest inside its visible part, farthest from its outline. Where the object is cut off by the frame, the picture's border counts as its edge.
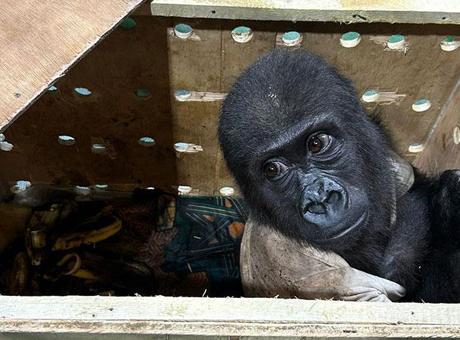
(318, 143)
(273, 169)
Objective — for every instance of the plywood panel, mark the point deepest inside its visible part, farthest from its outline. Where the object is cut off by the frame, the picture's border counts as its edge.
(127, 60)
(40, 40)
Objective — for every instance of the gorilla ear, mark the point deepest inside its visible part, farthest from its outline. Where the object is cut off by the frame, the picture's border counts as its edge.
(404, 173)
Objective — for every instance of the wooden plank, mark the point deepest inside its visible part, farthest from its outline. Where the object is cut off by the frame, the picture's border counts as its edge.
(442, 149)
(195, 65)
(348, 11)
(40, 40)
(235, 58)
(226, 317)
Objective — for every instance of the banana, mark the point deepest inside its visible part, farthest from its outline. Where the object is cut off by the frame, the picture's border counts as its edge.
(76, 239)
(84, 274)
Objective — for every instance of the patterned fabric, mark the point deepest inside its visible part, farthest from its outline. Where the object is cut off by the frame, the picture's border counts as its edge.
(207, 241)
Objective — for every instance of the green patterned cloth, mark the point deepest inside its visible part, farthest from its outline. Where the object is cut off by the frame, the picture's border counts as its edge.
(209, 231)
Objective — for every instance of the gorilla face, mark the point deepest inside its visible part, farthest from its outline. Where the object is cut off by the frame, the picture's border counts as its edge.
(308, 160)
(328, 202)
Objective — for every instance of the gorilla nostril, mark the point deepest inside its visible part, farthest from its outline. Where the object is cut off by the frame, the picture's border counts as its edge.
(315, 208)
(333, 197)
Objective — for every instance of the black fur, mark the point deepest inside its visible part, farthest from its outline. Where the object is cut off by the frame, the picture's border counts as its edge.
(284, 98)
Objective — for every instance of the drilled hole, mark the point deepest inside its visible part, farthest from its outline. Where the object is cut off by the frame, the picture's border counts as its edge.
(21, 185)
(183, 31)
(5, 146)
(82, 91)
(66, 140)
(98, 148)
(146, 141)
(128, 23)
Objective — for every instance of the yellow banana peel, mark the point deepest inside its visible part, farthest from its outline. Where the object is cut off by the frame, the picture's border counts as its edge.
(76, 239)
(84, 274)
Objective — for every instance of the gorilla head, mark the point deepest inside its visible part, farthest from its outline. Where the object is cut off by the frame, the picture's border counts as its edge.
(307, 158)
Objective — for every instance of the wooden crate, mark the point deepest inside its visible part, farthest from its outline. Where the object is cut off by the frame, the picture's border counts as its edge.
(133, 75)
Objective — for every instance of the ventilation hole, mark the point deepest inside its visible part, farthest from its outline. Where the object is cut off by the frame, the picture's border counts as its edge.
(5, 146)
(181, 147)
(82, 91)
(396, 42)
(350, 39)
(182, 95)
(213, 12)
(66, 140)
(242, 34)
(416, 148)
(142, 93)
(21, 185)
(227, 191)
(98, 148)
(183, 31)
(128, 23)
(187, 147)
(81, 190)
(52, 88)
(291, 38)
(444, 18)
(421, 105)
(146, 141)
(456, 135)
(449, 43)
(370, 96)
(184, 189)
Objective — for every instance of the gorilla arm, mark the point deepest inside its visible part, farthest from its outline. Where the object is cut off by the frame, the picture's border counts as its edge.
(274, 265)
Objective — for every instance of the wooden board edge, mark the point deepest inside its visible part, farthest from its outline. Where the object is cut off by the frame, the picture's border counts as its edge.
(225, 10)
(226, 317)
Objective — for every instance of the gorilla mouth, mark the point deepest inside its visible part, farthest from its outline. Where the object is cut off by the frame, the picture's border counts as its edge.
(342, 232)
(358, 222)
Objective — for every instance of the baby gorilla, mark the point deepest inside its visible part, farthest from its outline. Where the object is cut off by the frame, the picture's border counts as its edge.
(312, 164)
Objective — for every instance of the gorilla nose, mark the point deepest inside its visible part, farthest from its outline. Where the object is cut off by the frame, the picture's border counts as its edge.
(322, 196)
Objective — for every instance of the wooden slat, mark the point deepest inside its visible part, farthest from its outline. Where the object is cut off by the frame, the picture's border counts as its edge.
(196, 66)
(235, 58)
(227, 317)
(403, 11)
(40, 40)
